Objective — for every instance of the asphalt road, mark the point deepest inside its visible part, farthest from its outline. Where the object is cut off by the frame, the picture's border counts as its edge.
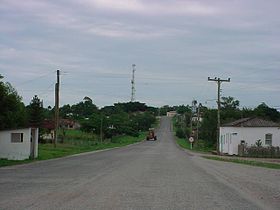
(149, 175)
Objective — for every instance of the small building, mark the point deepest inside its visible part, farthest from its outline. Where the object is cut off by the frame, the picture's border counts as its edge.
(69, 124)
(171, 113)
(248, 131)
(48, 129)
(197, 119)
(48, 126)
(19, 144)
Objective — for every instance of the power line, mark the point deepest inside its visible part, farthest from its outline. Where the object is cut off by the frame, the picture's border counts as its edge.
(36, 78)
(47, 90)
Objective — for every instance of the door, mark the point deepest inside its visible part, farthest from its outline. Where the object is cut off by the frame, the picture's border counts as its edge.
(32, 143)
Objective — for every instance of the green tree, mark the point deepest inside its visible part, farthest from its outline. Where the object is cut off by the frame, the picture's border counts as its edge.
(35, 112)
(229, 103)
(209, 126)
(131, 107)
(230, 109)
(266, 112)
(182, 109)
(84, 109)
(66, 111)
(12, 109)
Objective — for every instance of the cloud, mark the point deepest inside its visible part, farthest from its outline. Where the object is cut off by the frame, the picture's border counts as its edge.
(56, 15)
(176, 45)
(161, 8)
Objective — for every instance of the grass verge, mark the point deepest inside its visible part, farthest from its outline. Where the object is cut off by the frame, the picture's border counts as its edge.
(199, 146)
(246, 162)
(71, 147)
(5, 162)
(184, 143)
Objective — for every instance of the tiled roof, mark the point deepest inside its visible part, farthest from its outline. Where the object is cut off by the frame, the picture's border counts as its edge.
(251, 122)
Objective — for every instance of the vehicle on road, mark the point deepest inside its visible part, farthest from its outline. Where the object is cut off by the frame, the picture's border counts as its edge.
(151, 135)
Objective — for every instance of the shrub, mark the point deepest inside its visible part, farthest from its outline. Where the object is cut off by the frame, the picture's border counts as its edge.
(180, 133)
(259, 151)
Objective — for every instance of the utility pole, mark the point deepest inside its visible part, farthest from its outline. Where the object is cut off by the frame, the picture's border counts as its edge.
(133, 83)
(194, 102)
(198, 119)
(101, 129)
(219, 82)
(56, 117)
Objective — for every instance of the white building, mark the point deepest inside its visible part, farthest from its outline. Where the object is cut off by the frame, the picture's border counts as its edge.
(19, 144)
(171, 113)
(248, 131)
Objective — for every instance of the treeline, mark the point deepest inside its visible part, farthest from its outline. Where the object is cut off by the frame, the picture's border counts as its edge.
(121, 118)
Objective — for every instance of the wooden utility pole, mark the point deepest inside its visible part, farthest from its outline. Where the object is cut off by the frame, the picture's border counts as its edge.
(219, 81)
(56, 117)
(101, 129)
(133, 83)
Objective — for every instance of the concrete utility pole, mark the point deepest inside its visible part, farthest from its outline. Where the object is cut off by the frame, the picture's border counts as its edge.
(133, 83)
(56, 117)
(219, 81)
(194, 102)
(198, 119)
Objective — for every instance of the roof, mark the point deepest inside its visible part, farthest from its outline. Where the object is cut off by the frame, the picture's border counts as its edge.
(251, 122)
(48, 124)
(19, 128)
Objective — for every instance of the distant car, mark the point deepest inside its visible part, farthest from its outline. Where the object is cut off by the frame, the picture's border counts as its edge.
(151, 135)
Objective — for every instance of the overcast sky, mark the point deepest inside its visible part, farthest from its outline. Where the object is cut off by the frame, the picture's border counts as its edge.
(176, 45)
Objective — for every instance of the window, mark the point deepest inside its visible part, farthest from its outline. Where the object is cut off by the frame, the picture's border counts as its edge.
(16, 137)
(268, 139)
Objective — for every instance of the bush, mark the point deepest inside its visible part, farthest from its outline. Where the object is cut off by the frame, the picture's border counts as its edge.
(259, 151)
(180, 133)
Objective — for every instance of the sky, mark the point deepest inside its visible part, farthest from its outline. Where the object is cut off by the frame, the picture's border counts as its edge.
(176, 45)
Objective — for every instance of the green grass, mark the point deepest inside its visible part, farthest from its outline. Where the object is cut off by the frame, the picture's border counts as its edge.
(246, 162)
(75, 146)
(78, 134)
(5, 162)
(184, 143)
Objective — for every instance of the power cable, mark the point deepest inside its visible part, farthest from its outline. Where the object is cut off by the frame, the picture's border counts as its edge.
(36, 78)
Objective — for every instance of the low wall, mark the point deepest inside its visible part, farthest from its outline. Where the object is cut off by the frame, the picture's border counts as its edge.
(261, 152)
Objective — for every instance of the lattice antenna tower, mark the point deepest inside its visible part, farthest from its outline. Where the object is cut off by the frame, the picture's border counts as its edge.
(133, 83)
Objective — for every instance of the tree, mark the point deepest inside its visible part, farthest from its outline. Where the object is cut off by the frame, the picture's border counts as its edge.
(13, 113)
(209, 126)
(131, 107)
(66, 111)
(182, 109)
(229, 103)
(35, 112)
(230, 109)
(84, 109)
(266, 112)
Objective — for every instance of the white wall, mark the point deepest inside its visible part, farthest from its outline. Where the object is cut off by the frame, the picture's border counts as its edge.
(18, 150)
(230, 137)
(171, 114)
